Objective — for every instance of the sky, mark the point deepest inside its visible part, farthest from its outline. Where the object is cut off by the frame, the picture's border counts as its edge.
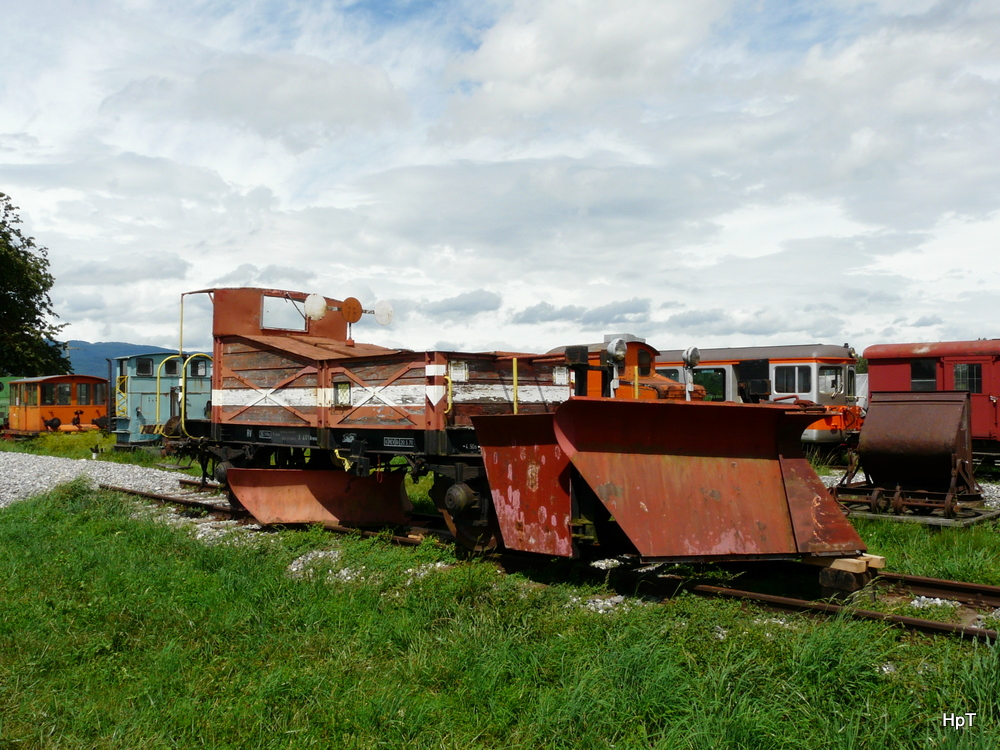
(515, 174)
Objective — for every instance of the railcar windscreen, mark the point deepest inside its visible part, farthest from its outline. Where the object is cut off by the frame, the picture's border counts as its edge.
(829, 381)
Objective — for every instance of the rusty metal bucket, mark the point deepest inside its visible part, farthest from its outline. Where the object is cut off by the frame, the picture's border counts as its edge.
(328, 497)
(915, 451)
(681, 480)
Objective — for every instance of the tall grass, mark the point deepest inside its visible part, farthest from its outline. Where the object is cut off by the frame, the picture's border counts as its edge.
(118, 632)
(962, 554)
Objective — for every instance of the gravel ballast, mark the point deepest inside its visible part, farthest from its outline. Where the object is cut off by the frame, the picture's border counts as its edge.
(23, 475)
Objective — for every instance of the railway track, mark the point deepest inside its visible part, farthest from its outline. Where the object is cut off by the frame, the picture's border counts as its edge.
(770, 601)
(424, 525)
(977, 596)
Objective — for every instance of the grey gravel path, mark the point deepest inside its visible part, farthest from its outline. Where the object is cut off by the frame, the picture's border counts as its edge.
(23, 475)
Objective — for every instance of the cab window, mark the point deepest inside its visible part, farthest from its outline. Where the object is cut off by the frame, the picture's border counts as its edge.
(645, 363)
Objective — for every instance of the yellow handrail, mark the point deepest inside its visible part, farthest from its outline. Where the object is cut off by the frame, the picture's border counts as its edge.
(159, 370)
(515, 385)
(184, 376)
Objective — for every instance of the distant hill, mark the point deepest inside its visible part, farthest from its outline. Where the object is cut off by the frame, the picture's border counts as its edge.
(92, 359)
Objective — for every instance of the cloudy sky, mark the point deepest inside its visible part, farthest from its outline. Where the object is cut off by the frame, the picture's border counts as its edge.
(515, 174)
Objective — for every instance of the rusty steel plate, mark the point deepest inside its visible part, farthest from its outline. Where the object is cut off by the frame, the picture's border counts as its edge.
(334, 498)
(694, 479)
(529, 482)
(818, 522)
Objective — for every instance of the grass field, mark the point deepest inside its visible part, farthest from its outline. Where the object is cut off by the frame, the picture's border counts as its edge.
(120, 631)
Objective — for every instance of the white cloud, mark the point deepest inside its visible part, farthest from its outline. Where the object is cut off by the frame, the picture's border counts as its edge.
(516, 175)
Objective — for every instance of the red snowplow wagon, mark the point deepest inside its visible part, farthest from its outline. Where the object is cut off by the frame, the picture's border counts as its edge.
(579, 451)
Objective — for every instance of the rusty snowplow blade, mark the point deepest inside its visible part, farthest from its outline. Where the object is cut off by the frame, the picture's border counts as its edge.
(915, 452)
(331, 498)
(680, 480)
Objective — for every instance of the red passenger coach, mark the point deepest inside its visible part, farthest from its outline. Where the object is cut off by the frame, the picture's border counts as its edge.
(970, 366)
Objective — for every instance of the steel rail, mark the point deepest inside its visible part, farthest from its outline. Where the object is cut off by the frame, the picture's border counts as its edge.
(977, 594)
(184, 499)
(804, 605)
(228, 510)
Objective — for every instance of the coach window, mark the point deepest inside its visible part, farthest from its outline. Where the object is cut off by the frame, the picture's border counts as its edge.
(969, 378)
(713, 379)
(198, 368)
(851, 382)
(83, 394)
(792, 379)
(100, 393)
(64, 394)
(669, 372)
(31, 395)
(923, 375)
(144, 366)
(48, 394)
(170, 367)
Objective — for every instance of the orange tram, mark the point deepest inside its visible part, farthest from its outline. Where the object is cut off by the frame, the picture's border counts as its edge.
(57, 403)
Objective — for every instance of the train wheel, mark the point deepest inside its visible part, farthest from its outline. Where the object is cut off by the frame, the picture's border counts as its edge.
(879, 502)
(471, 538)
(469, 515)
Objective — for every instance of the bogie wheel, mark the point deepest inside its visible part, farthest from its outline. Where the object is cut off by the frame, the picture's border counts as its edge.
(461, 507)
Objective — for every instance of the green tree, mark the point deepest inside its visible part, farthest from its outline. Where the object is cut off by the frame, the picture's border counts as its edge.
(27, 333)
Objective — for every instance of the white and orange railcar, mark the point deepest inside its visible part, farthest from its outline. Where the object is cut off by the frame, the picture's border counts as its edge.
(824, 374)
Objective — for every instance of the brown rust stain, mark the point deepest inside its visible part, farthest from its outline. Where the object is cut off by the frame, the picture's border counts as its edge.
(532, 478)
(609, 492)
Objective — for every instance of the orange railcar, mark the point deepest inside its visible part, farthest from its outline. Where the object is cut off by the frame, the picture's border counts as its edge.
(57, 403)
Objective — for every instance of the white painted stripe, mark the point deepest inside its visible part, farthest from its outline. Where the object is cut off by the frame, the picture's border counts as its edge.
(526, 393)
(293, 397)
(391, 395)
(435, 370)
